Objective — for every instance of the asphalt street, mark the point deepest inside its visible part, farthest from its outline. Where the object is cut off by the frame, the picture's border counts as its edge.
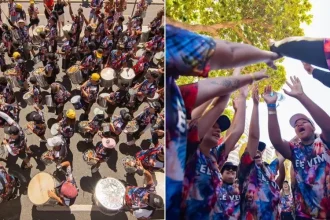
(22, 208)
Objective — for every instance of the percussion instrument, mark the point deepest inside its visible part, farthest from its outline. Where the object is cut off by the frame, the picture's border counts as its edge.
(101, 101)
(158, 57)
(107, 77)
(82, 126)
(131, 127)
(155, 98)
(109, 195)
(39, 73)
(160, 184)
(54, 129)
(11, 79)
(36, 32)
(129, 163)
(45, 160)
(38, 189)
(66, 28)
(28, 98)
(145, 34)
(75, 100)
(3, 151)
(105, 127)
(140, 52)
(89, 157)
(132, 93)
(75, 74)
(36, 59)
(49, 101)
(126, 76)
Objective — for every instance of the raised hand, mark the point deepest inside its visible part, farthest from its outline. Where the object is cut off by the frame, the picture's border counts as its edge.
(260, 75)
(269, 96)
(255, 95)
(295, 86)
(244, 91)
(237, 71)
(308, 68)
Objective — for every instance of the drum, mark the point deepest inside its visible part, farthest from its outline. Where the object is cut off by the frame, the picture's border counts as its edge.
(28, 98)
(155, 98)
(11, 79)
(132, 127)
(37, 31)
(126, 76)
(129, 163)
(105, 127)
(101, 100)
(75, 74)
(38, 189)
(160, 184)
(158, 58)
(82, 126)
(132, 93)
(66, 28)
(109, 195)
(49, 101)
(39, 73)
(107, 77)
(75, 100)
(54, 129)
(140, 52)
(89, 157)
(45, 160)
(3, 151)
(145, 34)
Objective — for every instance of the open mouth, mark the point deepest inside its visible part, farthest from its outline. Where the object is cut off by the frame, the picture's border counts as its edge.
(216, 134)
(301, 129)
(257, 157)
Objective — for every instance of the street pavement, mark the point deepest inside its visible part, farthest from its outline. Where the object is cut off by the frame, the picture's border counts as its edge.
(21, 208)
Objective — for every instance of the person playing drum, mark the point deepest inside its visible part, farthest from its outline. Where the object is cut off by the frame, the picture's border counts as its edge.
(12, 11)
(66, 52)
(146, 89)
(110, 21)
(94, 125)
(33, 13)
(98, 54)
(60, 96)
(66, 193)
(143, 201)
(52, 35)
(59, 8)
(43, 48)
(76, 26)
(36, 92)
(130, 41)
(39, 126)
(17, 145)
(156, 23)
(66, 125)
(142, 66)
(106, 45)
(120, 6)
(152, 159)
(84, 46)
(89, 91)
(21, 72)
(103, 151)
(153, 44)
(6, 92)
(120, 98)
(118, 29)
(51, 69)
(21, 14)
(108, 7)
(119, 123)
(117, 59)
(7, 39)
(11, 110)
(99, 31)
(96, 6)
(88, 62)
(59, 149)
(8, 185)
(157, 128)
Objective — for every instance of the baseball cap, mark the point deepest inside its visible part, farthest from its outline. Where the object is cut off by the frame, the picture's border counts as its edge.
(229, 165)
(261, 146)
(223, 122)
(55, 141)
(155, 201)
(298, 116)
(13, 130)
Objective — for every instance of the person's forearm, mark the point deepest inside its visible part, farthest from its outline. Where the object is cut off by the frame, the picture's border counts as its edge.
(281, 177)
(254, 131)
(228, 55)
(198, 111)
(322, 76)
(209, 118)
(210, 88)
(321, 118)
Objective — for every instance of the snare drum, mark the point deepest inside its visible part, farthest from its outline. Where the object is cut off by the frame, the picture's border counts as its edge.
(132, 127)
(39, 73)
(160, 184)
(11, 79)
(140, 52)
(89, 157)
(75, 100)
(126, 76)
(158, 57)
(109, 195)
(45, 160)
(155, 98)
(54, 129)
(145, 34)
(38, 189)
(75, 74)
(28, 98)
(107, 77)
(129, 163)
(66, 28)
(102, 100)
(37, 31)
(82, 126)
(49, 101)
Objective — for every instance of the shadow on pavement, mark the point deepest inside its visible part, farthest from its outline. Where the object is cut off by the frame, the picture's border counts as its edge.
(82, 146)
(112, 161)
(11, 209)
(128, 150)
(50, 122)
(88, 183)
(101, 216)
(66, 83)
(145, 144)
(23, 176)
(130, 179)
(19, 98)
(43, 215)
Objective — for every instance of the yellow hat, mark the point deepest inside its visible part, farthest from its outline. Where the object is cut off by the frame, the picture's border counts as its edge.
(18, 6)
(71, 114)
(95, 77)
(16, 55)
(99, 55)
(31, 2)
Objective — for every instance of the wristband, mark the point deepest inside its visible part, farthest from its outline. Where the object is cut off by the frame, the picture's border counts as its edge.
(272, 112)
(272, 105)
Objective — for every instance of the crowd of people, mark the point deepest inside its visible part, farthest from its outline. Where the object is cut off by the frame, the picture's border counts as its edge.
(200, 182)
(99, 49)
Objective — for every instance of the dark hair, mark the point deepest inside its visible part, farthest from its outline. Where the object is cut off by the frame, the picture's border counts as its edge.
(13, 130)
(42, 35)
(51, 56)
(100, 50)
(70, 34)
(3, 81)
(154, 75)
(89, 28)
(33, 80)
(121, 18)
(70, 121)
(5, 26)
(148, 53)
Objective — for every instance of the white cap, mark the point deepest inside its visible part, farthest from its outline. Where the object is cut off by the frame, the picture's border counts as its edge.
(55, 141)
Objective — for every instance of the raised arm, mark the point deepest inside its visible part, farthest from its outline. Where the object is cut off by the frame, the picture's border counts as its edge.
(200, 110)
(320, 75)
(254, 131)
(274, 132)
(281, 175)
(321, 118)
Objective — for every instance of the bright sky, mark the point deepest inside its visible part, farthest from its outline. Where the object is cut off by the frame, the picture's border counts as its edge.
(312, 87)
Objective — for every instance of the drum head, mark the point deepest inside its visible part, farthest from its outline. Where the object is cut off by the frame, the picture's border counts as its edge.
(3, 152)
(26, 96)
(127, 73)
(108, 74)
(89, 153)
(129, 163)
(75, 99)
(160, 186)
(132, 127)
(38, 188)
(54, 129)
(104, 95)
(46, 161)
(110, 193)
(73, 69)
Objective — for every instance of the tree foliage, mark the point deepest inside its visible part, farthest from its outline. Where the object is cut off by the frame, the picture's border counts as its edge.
(250, 21)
